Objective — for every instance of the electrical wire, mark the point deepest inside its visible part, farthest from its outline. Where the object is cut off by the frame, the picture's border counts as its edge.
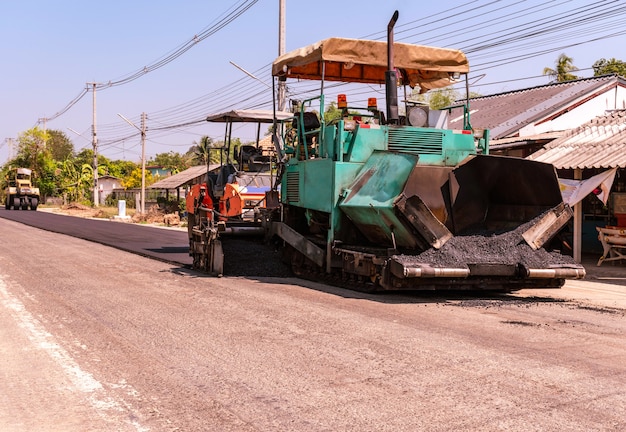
(487, 31)
(230, 16)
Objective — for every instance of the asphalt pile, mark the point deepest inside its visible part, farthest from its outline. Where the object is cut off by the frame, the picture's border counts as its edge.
(508, 248)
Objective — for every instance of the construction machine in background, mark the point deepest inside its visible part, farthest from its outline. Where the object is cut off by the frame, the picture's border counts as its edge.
(391, 199)
(234, 199)
(20, 192)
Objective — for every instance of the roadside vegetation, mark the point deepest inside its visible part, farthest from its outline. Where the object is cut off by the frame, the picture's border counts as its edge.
(66, 177)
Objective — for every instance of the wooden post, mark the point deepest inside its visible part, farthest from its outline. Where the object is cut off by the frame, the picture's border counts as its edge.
(578, 222)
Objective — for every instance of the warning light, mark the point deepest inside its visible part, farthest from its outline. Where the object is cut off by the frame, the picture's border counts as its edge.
(372, 104)
(342, 101)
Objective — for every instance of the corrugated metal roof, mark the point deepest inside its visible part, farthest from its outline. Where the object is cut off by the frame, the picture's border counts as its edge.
(517, 141)
(177, 180)
(506, 113)
(599, 143)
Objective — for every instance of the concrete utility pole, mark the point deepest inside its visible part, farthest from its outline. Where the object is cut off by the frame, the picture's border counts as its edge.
(96, 194)
(143, 162)
(144, 117)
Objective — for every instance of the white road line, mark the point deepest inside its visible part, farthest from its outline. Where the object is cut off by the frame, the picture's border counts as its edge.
(82, 380)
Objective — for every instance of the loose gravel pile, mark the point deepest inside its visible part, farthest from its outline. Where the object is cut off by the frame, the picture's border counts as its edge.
(251, 257)
(505, 248)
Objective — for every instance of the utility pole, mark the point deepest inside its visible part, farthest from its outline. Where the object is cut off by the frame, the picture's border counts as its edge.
(281, 50)
(144, 117)
(143, 163)
(96, 194)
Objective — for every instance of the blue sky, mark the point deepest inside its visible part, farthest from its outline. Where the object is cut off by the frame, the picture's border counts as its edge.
(51, 49)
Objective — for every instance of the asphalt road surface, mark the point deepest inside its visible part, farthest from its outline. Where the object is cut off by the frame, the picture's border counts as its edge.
(165, 245)
(95, 338)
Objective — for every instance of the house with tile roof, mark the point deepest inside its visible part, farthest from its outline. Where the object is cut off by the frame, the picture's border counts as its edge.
(598, 143)
(582, 152)
(521, 121)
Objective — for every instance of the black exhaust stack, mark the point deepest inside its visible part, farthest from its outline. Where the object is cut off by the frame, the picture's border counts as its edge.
(391, 78)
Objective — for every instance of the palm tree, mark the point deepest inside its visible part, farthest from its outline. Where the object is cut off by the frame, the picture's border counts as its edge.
(202, 150)
(563, 69)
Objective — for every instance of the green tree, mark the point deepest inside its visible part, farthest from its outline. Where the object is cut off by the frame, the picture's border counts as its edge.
(134, 179)
(332, 113)
(436, 99)
(174, 161)
(47, 180)
(216, 151)
(59, 145)
(200, 152)
(442, 98)
(85, 156)
(121, 168)
(31, 147)
(604, 67)
(563, 69)
(76, 180)
(32, 153)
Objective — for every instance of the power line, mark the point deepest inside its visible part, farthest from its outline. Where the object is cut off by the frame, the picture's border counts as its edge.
(233, 13)
(489, 42)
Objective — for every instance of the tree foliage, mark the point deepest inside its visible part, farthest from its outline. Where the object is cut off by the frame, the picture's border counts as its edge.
(332, 113)
(442, 98)
(32, 153)
(58, 170)
(219, 156)
(134, 179)
(85, 156)
(47, 180)
(76, 180)
(121, 168)
(436, 99)
(59, 145)
(173, 161)
(32, 148)
(203, 152)
(562, 70)
(214, 150)
(604, 67)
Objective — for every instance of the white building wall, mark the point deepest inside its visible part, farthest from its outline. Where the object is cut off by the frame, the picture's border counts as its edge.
(620, 98)
(610, 100)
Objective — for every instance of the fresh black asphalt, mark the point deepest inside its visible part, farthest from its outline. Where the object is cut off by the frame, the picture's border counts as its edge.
(168, 245)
